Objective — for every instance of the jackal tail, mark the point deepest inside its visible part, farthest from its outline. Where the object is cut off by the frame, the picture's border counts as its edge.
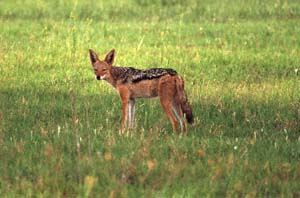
(187, 110)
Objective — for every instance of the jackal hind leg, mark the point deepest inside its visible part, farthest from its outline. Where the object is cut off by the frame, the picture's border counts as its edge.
(167, 106)
(166, 93)
(179, 114)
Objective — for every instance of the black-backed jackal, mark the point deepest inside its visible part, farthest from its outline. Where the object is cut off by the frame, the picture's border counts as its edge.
(134, 83)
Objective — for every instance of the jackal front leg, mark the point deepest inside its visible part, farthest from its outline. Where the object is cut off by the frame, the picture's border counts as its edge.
(131, 112)
(125, 98)
(124, 115)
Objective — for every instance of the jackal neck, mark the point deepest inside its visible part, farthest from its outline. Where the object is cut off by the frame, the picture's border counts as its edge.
(130, 74)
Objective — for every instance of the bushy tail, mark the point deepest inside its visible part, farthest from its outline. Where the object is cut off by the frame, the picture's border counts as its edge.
(187, 110)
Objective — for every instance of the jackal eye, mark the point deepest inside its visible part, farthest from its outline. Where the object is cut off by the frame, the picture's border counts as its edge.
(104, 70)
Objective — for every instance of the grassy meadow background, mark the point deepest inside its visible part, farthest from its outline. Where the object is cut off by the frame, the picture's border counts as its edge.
(59, 127)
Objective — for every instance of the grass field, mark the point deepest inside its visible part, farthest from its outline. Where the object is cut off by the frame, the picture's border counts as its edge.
(59, 127)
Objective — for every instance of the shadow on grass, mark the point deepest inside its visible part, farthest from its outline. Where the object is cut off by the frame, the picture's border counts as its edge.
(28, 110)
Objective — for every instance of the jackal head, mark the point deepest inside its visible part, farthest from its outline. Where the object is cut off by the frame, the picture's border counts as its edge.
(102, 69)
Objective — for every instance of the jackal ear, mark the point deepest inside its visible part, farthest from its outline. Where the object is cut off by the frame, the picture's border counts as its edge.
(93, 56)
(110, 57)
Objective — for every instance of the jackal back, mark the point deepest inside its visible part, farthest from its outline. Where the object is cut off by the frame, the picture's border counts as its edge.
(130, 74)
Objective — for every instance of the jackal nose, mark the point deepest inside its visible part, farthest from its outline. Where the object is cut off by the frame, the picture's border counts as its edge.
(98, 78)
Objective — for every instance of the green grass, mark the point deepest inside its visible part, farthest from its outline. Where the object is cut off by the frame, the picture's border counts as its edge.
(59, 127)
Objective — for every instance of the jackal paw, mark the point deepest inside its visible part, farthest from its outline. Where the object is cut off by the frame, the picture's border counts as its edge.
(121, 131)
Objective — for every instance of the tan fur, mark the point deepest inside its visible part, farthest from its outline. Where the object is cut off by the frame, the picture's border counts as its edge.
(169, 89)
